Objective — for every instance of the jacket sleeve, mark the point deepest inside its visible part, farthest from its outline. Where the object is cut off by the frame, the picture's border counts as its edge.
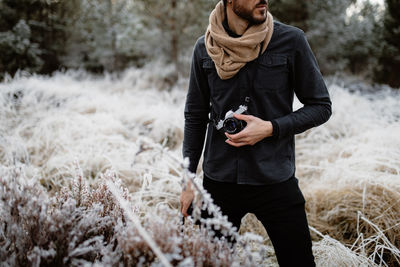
(310, 89)
(197, 108)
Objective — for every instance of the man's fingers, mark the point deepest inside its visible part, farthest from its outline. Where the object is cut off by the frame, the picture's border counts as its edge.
(237, 137)
(235, 144)
(243, 117)
(184, 208)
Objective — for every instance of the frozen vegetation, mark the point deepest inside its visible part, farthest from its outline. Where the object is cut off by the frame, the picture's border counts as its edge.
(91, 171)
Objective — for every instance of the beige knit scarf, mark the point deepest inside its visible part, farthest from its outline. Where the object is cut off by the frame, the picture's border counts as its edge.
(231, 54)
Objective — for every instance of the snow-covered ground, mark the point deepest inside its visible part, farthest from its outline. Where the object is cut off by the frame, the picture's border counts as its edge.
(52, 128)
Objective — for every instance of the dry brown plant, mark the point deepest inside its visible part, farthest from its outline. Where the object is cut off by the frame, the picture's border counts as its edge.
(338, 212)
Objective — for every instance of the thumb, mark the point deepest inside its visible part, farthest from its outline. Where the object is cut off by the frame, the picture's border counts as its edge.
(243, 117)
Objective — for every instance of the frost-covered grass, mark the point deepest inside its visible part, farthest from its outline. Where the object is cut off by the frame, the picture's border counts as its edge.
(91, 172)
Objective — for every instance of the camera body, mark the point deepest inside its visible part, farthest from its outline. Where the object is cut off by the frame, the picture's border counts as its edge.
(230, 124)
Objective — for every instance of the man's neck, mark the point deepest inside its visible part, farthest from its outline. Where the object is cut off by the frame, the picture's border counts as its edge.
(237, 24)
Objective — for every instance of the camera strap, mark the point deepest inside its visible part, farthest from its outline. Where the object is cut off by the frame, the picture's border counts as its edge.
(251, 76)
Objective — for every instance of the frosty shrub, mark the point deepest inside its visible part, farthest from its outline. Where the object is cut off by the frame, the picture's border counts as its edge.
(66, 229)
(82, 224)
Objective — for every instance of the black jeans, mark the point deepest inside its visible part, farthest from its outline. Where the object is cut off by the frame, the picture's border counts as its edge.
(279, 207)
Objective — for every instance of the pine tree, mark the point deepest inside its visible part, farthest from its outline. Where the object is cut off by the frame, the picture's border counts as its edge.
(327, 32)
(389, 61)
(106, 35)
(363, 39)
(31, 34)
(178, 22)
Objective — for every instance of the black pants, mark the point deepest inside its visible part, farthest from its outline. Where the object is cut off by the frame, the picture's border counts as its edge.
(279, 207)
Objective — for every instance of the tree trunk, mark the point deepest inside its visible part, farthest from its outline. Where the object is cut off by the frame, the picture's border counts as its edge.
(174, 36)
(113, 35)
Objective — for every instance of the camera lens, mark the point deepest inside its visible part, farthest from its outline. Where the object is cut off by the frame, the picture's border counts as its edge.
(231, 125)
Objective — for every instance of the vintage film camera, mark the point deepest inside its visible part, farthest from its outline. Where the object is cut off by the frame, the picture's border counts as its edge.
(230, 124)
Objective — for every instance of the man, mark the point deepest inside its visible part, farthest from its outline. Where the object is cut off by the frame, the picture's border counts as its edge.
(250, 65)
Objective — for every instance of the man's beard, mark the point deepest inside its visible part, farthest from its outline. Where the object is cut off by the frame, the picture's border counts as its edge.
(247, 14)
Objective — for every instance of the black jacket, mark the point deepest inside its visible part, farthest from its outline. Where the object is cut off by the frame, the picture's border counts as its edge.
(288, 66)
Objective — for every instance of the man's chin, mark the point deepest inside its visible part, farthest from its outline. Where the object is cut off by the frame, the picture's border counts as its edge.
(259, 17)
(258, 20)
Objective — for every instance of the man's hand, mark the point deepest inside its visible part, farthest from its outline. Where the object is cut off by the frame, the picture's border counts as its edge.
(187, 197)
(255, 131)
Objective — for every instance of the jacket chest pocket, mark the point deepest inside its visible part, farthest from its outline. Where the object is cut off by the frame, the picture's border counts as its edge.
(272, 73)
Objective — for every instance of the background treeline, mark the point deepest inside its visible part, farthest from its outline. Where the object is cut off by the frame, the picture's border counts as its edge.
(356, 37)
